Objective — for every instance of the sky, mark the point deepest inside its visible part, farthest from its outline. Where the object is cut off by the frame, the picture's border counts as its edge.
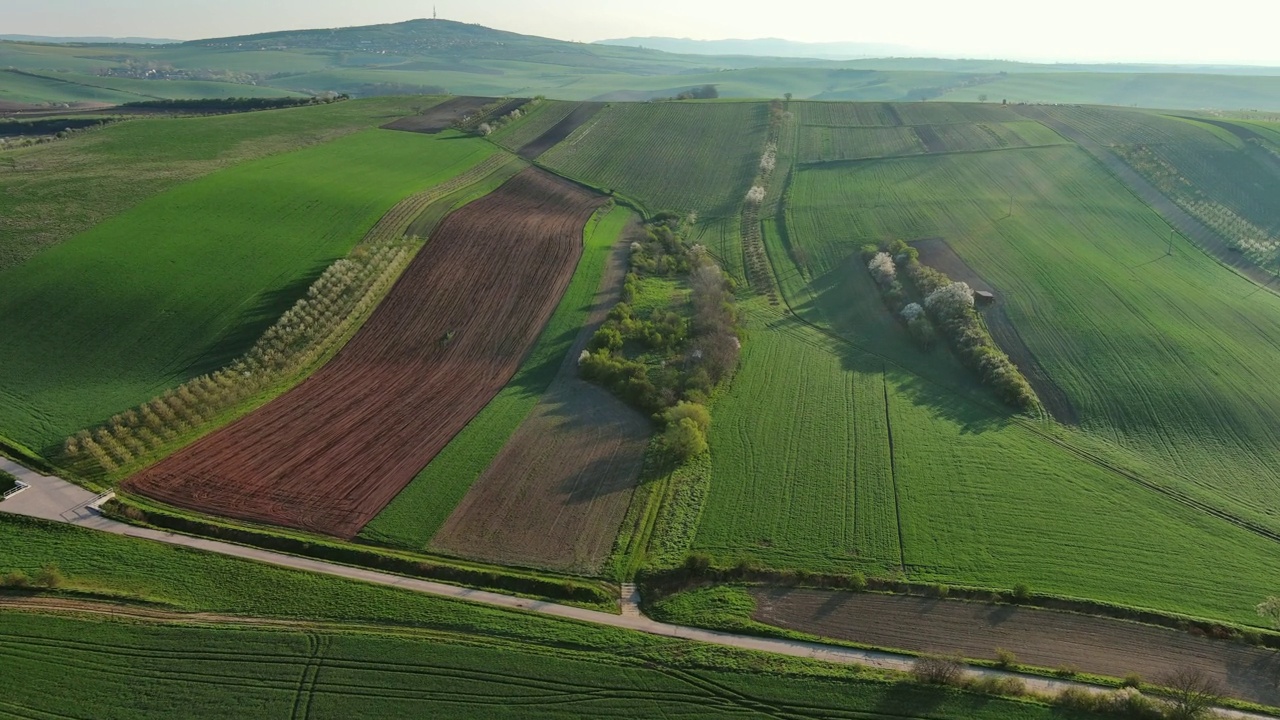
(1167, 31)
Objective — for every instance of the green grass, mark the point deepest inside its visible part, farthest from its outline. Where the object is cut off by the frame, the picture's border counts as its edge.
(426, 503)
(983, 500)
(1163, 357)
(134, 89)
(537, 121)
(669, 156)
(49, 193)
(18, 87)
(139, 671)
(179, 285)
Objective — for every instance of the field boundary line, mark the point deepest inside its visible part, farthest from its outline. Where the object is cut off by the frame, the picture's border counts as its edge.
(893, 468)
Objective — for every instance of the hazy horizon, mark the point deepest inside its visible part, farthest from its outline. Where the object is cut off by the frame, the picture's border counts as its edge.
(1094, 31)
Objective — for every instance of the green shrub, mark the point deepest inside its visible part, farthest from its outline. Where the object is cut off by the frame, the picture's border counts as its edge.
(48, 576)
(858, 582)
(15, 579)
(1006, 658)
(1021, 593)
(685, 440)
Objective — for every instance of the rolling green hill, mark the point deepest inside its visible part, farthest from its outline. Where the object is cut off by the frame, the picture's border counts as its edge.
(433, 56)
(179, 285)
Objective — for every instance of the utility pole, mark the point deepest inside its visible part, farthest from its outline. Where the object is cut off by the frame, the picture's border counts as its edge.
(1169, 251)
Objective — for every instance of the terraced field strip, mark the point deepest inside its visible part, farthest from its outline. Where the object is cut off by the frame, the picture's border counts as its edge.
(669, 156)
(441, 116)
(557, 133)
(330, 454)
(808, 484)
(422, 508)
(536, 121)
(396, 223)
(1041, 638)
(556, 494)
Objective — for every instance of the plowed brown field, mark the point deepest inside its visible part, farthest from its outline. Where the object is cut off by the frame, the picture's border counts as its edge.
(557, 493)
(1044, 638)
(330, 454)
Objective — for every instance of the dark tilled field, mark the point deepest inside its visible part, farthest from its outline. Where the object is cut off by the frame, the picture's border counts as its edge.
(440, 117)
(330, 454)
(1043, 638)
(561, 130)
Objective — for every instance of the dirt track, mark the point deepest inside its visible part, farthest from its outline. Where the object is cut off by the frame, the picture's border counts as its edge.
(1042, 638)
(557, 492)
(330, 454)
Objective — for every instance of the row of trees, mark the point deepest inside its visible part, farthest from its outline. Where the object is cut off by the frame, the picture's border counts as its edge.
(947, 309)
(668, 362)
(346, 291)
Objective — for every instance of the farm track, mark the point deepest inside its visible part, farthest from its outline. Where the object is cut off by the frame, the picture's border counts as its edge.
(1043, 638)
(558, 490)
(330, 454)
(57, 492)
(1200, 234)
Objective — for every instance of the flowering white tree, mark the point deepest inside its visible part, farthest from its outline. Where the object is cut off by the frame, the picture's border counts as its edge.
(883, 269)
(755, 195)
(951, 301)
(912, 311)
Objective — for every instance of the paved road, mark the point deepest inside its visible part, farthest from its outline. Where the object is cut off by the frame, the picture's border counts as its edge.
(55, 499)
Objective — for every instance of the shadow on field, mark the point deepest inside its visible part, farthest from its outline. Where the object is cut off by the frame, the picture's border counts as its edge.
(251, 324)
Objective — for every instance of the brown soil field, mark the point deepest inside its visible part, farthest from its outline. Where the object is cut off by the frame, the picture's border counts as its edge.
(331, 453)
(1043, 638)
(439, 117)
(556, 494)
(936, 253)
(561, 130)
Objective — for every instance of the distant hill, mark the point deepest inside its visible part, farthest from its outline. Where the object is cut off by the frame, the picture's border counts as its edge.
(767, 47)
(88, 40)
(443, 56)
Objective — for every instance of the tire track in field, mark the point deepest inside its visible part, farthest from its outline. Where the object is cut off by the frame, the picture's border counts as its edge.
(893, 468)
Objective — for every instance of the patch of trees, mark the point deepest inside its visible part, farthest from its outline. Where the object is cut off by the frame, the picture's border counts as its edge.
(347, 290)
(57, 127)
(668, 361)
(945, 308)
(213, 105)
(704, 92)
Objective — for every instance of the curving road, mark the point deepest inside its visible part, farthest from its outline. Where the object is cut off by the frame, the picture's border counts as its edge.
(53, 498)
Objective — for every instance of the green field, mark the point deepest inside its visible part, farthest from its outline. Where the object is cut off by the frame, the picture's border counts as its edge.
(50, 192)
(982, 500)
(679, 157)
(178, 286)
(140, 671)
(1128, 332)
(423, 506)
(1207, 166)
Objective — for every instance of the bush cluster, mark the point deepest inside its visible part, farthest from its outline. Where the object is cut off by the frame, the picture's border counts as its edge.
(947, 309)
(668, 363)
(48, 577)
(347, 289)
